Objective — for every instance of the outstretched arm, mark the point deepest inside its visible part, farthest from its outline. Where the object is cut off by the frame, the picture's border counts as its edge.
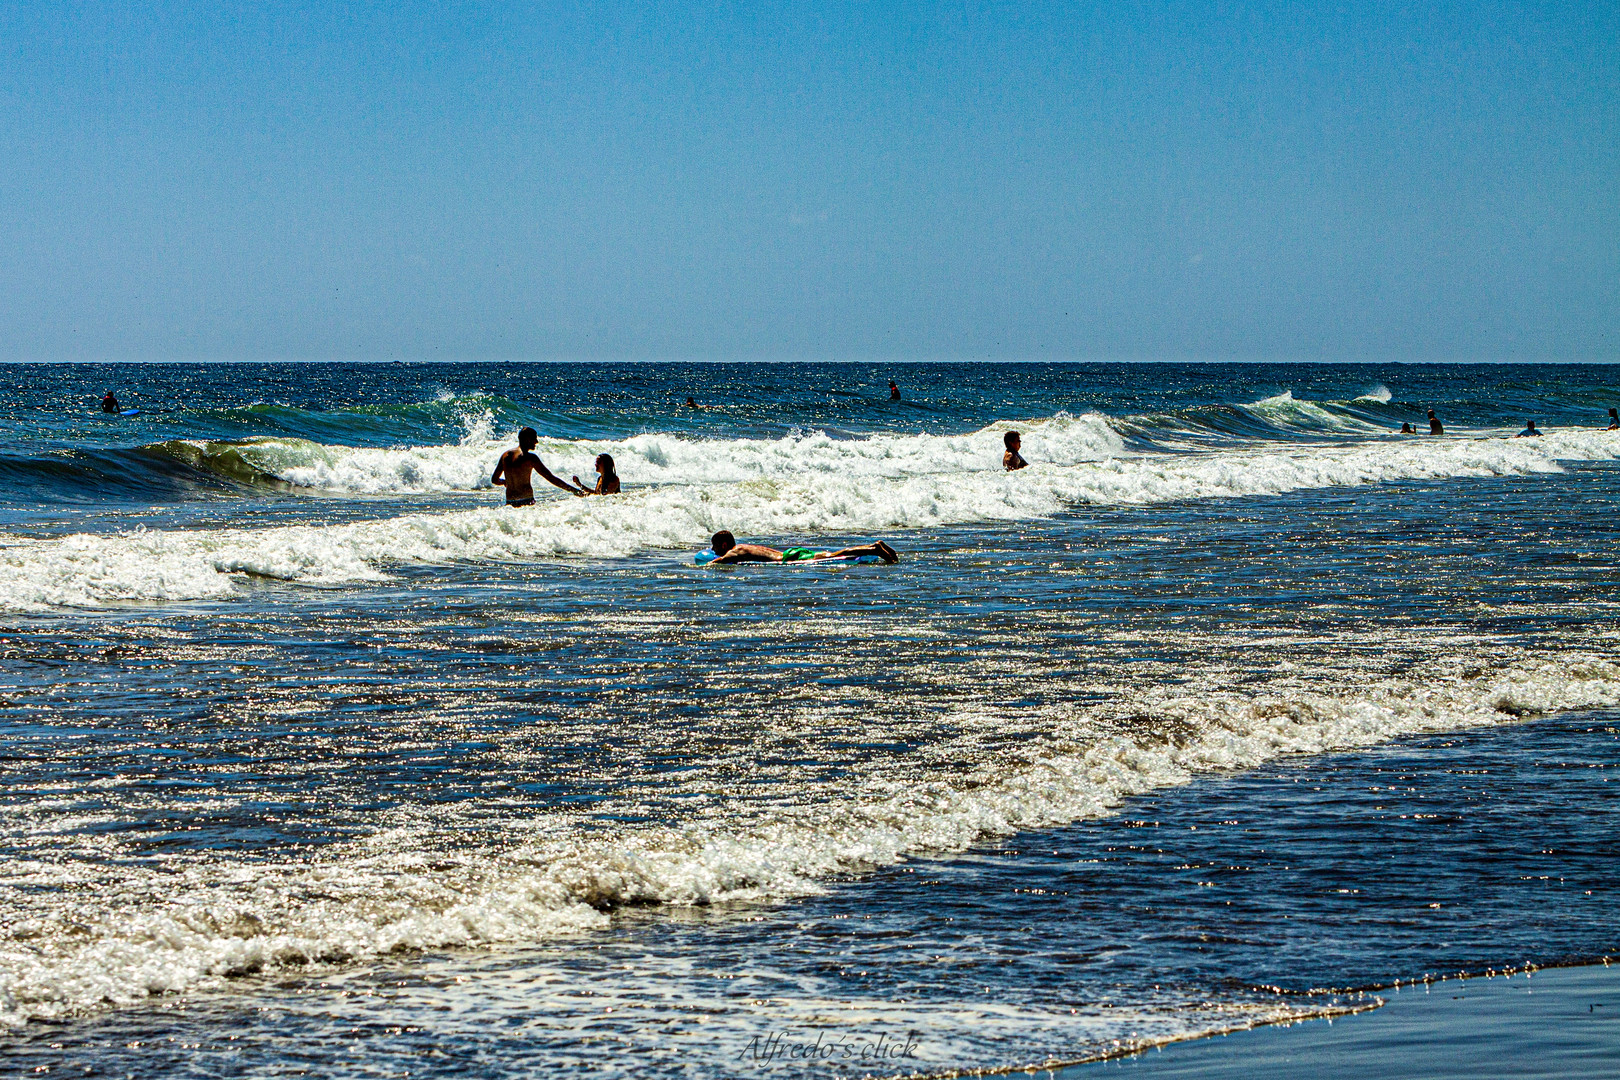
(540, 467)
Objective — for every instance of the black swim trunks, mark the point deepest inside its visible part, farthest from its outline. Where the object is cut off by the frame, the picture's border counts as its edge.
(521, 502)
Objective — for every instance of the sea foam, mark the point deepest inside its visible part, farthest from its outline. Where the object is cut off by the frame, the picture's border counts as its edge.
(133, 931)
(662, 458)
(843, 493)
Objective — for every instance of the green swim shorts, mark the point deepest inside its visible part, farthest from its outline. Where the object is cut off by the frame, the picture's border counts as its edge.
(798, 554)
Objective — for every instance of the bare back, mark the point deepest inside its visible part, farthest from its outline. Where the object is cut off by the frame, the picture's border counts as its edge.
(515, 472)
(750, 553)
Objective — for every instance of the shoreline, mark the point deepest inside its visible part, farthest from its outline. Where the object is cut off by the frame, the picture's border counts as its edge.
(1532, 1022)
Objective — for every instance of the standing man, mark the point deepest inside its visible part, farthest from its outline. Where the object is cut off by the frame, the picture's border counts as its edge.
(1434, 424)
(517, 465)
(1614, 420)
(894, 390)
(109, 404)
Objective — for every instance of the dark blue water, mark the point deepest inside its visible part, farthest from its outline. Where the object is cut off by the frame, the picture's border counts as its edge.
(1234, 705)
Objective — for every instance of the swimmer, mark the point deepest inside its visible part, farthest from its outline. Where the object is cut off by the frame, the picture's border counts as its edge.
(109, 404)
(691, 404)
(1408, 429)
(1012, 460)
(894, 390)
(607, 481)
(1614, 420)
(1529, 431)
(1434, 424)
(727, 550)
(517, 466)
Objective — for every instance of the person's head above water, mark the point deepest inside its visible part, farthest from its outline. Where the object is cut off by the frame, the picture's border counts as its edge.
(1431, 414)
(1614, 414)
(722, 542)
(604, 464)
(528, 437)
(1011, 440)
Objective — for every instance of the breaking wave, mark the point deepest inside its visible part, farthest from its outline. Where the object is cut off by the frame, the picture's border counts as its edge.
(1285, 411)
(662, 459)
(795, 487)
(358, 452)
(138, 931)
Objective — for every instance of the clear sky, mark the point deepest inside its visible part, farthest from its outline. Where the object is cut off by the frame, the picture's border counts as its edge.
(866, 180)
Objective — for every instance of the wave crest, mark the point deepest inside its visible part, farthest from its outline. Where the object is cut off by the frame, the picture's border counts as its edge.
(91, 570)
(650, 458)
(141, 931)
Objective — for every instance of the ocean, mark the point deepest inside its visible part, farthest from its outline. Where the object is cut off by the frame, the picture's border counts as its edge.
(1236, 706)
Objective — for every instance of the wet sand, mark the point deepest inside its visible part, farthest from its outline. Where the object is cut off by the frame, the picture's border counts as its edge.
(1559, 1022)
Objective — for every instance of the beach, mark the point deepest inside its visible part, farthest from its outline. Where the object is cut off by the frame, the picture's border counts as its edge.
(1558, 1022)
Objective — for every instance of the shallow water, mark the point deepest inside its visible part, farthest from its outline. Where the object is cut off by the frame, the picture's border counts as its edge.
(1553, 1024)
(356, 769)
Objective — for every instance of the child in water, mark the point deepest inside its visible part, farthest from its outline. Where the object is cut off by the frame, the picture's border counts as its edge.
(1012, 459)
(607, 481)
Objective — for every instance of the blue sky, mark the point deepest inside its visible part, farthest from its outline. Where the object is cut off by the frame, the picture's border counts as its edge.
(847, 181)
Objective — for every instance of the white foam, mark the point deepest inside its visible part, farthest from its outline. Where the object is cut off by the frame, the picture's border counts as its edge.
(664, 458)
(132, 931)
(1379, 393)
(784, 501)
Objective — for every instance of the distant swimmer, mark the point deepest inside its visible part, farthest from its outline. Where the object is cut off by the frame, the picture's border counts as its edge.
(1012, 460)
(109, 404)
(727, 550)
(1408, 429)
(894, 390)
(1434, 424)
(518, 465)
(692, 404)
(1614, 420)
(1529, 431)
(607, 481)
